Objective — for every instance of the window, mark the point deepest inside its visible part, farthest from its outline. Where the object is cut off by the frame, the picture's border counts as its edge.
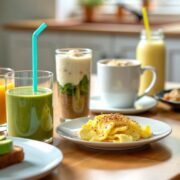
(157, 6)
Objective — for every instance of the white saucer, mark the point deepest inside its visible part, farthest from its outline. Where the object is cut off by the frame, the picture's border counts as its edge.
(142, 105)
(70, 131)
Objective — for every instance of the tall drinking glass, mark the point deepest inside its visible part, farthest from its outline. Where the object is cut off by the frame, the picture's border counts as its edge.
(73, 68)
(30, 114)
(3, 87)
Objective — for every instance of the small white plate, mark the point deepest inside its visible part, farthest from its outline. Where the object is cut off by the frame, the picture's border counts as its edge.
(70, 131)
(40, 159)
(142, 105)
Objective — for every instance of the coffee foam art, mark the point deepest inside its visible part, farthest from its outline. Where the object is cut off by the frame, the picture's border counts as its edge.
(120, 63)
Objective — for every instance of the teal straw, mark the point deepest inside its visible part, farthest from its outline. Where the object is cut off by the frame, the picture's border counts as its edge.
(35, 54)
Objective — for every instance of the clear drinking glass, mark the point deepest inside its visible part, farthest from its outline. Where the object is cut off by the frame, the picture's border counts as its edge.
(30, 114)
(152, 52)
(3, 87)
(73, 69)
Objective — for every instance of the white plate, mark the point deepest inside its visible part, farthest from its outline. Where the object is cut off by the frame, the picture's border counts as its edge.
(40, 159)
(142, 105)
(70, 130)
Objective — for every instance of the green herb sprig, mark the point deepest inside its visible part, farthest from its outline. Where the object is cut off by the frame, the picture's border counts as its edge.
(71, 89)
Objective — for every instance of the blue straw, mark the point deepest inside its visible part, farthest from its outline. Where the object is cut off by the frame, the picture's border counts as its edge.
(35, 54)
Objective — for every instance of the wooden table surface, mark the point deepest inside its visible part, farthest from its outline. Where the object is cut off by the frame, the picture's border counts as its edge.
(159, 161)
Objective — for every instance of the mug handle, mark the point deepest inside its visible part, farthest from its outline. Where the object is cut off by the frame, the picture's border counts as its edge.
(154, 79)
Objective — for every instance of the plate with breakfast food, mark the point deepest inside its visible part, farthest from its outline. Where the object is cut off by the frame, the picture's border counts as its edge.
(114, 131)
(144, 104)
(171, 97)
(26, 159)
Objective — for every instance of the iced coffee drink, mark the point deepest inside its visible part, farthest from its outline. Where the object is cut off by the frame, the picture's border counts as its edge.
(73, 78)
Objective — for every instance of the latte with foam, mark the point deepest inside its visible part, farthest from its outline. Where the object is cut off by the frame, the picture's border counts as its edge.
(120, 63)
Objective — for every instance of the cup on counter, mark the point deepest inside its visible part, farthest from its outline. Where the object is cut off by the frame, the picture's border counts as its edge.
(119, 81)
(73, 68)
(3, 87)
(30, 114)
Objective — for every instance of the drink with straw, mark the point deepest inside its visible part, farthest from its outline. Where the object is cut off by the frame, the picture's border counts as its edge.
(30, 114)
(29, 103)
(151, 51)
(3, 86)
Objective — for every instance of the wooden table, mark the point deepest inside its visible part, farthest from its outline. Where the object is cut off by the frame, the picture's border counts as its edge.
(160, 161)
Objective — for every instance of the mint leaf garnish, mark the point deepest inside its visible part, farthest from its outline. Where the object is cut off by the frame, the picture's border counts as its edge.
(70, 89)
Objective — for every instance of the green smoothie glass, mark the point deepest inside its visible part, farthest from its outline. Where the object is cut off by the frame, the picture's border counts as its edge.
(29, 114)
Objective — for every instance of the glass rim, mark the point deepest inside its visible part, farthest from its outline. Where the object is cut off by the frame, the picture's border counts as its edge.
(9, 70)
(159, 30)
(47, 74)
(154, 33)
(65, 50)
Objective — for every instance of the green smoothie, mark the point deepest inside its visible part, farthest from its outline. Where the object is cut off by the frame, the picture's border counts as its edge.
(30, 115)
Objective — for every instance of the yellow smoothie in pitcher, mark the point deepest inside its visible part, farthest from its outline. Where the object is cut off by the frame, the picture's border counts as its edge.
(152, 52)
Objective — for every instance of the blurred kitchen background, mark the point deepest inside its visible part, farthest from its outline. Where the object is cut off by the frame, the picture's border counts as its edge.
(112, 31)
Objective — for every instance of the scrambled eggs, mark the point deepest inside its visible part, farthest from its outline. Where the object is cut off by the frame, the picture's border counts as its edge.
(113, 128)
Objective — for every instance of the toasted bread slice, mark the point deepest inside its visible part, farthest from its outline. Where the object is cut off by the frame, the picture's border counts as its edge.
(14, 157)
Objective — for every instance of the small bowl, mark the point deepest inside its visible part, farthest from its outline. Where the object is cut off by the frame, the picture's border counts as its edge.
(174, 104)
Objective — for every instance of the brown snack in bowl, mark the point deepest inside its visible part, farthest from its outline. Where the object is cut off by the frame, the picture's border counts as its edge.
(173, 95)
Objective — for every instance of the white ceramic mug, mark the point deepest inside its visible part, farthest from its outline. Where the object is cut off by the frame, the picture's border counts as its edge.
(119, 85)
